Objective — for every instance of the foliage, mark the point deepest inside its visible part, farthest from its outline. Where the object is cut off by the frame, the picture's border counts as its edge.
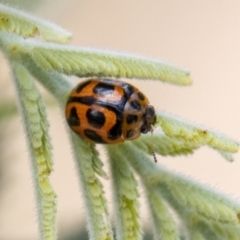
(203, 213)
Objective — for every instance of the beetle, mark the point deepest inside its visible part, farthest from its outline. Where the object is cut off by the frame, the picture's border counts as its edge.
(103, 110)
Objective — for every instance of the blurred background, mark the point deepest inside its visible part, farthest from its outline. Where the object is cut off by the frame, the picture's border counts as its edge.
(202, 36)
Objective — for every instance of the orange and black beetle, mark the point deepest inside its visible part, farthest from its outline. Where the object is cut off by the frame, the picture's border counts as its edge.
(109, 111)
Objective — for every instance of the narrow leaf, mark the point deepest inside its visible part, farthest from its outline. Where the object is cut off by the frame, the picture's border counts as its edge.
(36, 127)
(163, 222)
(126, 197)
(99, 226)
(21, 23)
(185, 195)
(91, 62)
(165, 145)
(179, 128)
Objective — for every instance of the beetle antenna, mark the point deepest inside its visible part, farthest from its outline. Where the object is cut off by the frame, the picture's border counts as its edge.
(152, 148)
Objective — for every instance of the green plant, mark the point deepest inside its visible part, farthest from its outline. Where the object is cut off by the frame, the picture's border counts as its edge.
(204, 213)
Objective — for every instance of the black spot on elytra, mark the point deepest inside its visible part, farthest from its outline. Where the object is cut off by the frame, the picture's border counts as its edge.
(141, 96)
(82, 85)
(130, 133)
(116, 107)
(95, 118)
(103, 89)
(128, 90)
(88, 100)
(73, 119)
(116, 131)
(131, 119)
(136, 105)
(92, 135)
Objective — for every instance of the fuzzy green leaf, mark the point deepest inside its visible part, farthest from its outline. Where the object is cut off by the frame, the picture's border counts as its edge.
(196, 135)
(12, 20)
(126, 198)
(164, 223)
(36, 126)
(87, 62)
(96, 205)
(184, 195)
(165, 145)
